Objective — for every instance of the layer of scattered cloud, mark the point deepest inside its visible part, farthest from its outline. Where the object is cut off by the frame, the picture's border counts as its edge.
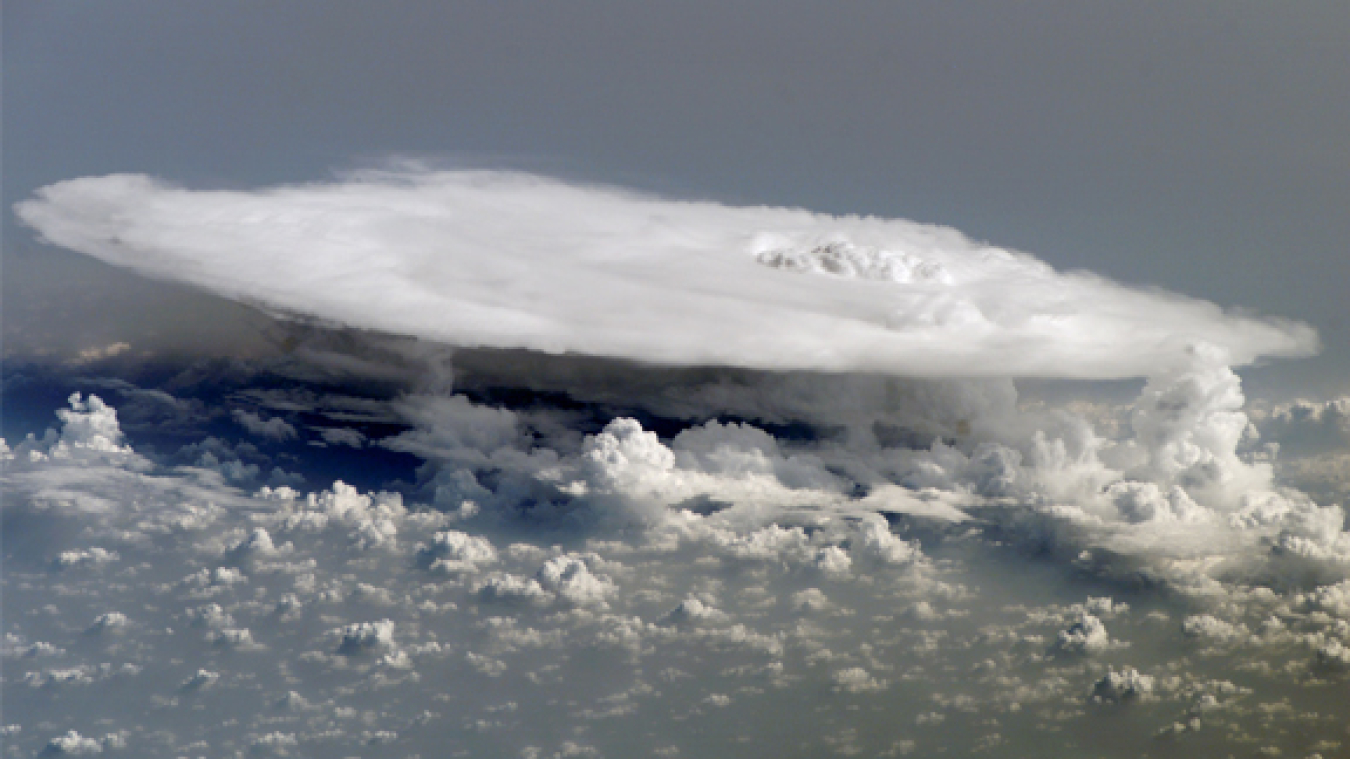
(545, 592)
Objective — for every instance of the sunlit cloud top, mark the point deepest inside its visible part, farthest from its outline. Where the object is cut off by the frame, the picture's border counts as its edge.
(510, 260)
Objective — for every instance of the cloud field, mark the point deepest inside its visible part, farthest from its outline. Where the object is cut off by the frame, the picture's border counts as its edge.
(543, 592)
(693, 481)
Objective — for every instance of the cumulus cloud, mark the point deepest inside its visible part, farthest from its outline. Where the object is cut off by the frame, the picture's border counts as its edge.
(590, 544)
(1309, 444)
(88, 425)
(454, 551)
(511, 260)
(1126, 685)
(1305, 425)
(1088, 636)
(72, 744)
(857, 680)
(361, 637)
(200, 681)
(112, 621)
(329, 621)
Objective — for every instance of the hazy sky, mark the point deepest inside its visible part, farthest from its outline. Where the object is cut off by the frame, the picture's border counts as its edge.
(1198, 146)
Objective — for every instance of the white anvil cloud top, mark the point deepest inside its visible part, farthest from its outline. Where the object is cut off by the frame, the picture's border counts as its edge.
(509, 260)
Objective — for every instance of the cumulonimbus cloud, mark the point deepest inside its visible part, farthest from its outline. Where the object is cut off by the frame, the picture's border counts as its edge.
(509, 260)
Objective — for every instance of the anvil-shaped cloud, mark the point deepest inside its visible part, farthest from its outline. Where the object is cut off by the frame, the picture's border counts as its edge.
(509, 260)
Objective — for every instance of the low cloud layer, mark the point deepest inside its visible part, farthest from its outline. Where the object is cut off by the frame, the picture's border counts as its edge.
(546, 591)
(506, 260)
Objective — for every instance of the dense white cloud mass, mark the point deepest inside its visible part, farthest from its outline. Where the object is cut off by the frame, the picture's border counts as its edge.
(516, 261)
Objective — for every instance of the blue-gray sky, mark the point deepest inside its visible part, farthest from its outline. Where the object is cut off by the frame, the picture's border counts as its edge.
(1196, 146)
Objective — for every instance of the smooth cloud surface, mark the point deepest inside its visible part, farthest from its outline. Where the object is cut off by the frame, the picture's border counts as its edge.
(511, 260)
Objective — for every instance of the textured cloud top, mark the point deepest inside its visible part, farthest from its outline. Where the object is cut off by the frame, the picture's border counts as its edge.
(1025, 589)
(508, 260)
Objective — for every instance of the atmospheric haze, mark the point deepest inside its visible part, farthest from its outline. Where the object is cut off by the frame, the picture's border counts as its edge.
(544, 469)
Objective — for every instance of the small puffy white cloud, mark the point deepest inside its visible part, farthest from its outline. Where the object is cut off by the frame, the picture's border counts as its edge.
(361, 637)
(89, 429)
(1334, 655)
(833, 561)
(16, 647)
(1330, 599)
(217, 578)
(1126, 685)
(257, 544)
(1086, 636)
(274, 742)
(485, 664)
(72, 744)
(112, 621)
(1145, 502)
(693, 611)
(455, 552)
(1211, 629)
(1309, 442)
(511, 588)
(857, 680)
(516, 261)
(82, 675)
(200, 681)
(235, 638)
(370, 521)
(875, 541)
(91, 557)
(1304, 425)
(626, 460)
(90, 424)
(627, 474)
(810, 600)
(741, 450)
(772, 543)
(573, 581)
(212, 616)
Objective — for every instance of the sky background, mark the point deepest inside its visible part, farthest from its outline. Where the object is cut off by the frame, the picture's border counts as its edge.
(1194, 146)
